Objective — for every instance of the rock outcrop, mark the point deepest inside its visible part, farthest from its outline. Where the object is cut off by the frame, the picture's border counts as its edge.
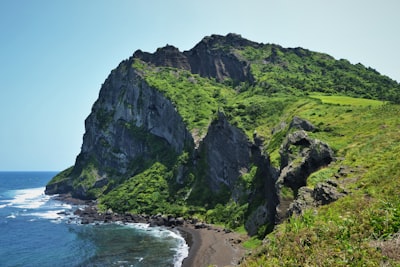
(210, 58)
(130, 123)
(301, 156)
(228, 153)
(322, 194)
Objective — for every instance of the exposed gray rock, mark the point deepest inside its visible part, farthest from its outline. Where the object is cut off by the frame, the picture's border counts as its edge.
(208, 58)
(301, 156)
(322, 194)
(301, 124)
(228, 151)
(260, 217)
(168, 56)
(327, 192)
(126, 113)
(303, 201)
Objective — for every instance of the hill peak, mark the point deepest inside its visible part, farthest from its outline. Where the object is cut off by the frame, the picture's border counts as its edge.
(229, 40)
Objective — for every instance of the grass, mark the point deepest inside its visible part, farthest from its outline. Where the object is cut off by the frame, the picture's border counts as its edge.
(347, 100)
(367, 141)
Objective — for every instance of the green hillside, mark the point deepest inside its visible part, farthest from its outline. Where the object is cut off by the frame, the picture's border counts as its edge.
(344, 233)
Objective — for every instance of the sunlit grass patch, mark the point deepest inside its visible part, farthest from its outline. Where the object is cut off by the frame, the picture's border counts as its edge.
(347, 100)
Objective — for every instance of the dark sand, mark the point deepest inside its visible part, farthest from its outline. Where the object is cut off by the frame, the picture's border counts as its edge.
(212, 246)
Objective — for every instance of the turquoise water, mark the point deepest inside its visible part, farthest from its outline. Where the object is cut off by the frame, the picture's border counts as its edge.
(36, 230)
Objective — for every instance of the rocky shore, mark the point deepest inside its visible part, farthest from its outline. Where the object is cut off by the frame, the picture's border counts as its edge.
(209, 244)
(90, 214)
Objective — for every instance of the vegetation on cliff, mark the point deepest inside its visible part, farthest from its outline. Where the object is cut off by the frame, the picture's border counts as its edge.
(345, 232)
(352, 108)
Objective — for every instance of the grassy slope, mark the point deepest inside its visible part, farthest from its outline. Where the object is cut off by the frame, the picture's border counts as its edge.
(367, 142)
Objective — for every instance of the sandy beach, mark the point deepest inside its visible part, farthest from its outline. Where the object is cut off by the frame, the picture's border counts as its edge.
(212, 246)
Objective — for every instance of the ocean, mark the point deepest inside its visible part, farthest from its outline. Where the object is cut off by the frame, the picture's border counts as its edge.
(37, 230)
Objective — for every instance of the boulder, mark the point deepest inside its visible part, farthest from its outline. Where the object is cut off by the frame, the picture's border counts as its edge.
(301, 124)
(322, 194)
(327, 192)
(301, 156)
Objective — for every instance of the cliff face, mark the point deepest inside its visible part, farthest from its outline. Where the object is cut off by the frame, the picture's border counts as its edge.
(210, 58)
(130, 123)
(228, 154)
(127, 105)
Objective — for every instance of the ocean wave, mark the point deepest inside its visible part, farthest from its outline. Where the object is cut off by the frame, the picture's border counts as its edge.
(34, 205)
(182, 248)
(11, 216)
(31, 198)
(32, 202)
(181, 252)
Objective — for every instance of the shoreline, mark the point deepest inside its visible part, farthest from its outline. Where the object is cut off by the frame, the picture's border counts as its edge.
(193, 240)
(208, 244)
(211, 245)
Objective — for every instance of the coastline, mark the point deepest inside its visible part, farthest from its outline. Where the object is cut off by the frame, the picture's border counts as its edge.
(208, 244)
(211, 245)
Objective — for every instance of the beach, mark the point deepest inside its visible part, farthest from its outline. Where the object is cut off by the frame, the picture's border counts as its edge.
(213, 246)
(209, 245)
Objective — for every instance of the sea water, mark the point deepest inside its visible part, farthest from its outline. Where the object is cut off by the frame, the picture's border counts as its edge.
(37, 230)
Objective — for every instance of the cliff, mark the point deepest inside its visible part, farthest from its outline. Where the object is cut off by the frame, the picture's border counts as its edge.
(215, 132)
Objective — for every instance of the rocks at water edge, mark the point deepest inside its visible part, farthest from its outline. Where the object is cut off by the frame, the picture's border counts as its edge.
(90, 214)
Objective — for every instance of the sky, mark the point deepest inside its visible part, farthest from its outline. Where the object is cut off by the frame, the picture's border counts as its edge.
(55, 55)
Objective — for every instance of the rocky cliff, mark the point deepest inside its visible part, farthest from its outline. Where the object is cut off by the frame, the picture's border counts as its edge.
(210, 58)
(130, 123)
(140, 126)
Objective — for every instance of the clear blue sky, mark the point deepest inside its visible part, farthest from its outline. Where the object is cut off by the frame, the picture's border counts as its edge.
(55, 55)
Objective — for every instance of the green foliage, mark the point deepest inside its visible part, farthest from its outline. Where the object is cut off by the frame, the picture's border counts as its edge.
(320, 176)
(247, 179)
(145, 193)
(299, 71)
(346, 100)
(231, 215)
(340, 234)
(195, 97)
(62, 176)
(158, 149)
(252, 243)
(88, 174)
(385, 219)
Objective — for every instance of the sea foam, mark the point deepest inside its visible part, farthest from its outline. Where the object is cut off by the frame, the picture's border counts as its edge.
(31, 198)
(33, 202)
(181, 250)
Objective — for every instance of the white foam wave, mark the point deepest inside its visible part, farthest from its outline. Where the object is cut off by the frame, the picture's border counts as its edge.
(182, 249)
(31, 198)
(48, 214)
(12, 216)
(34, 203)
